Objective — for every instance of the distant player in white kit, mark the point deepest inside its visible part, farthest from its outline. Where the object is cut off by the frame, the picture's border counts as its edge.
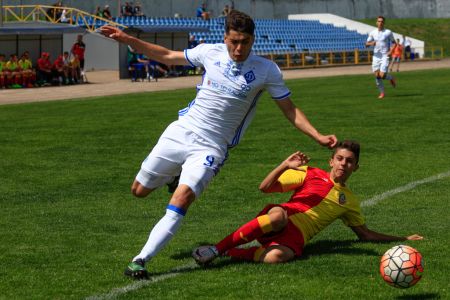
(381, 38)
(196, 145)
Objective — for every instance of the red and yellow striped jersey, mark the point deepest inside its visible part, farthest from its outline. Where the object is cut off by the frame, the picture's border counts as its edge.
(317, 201)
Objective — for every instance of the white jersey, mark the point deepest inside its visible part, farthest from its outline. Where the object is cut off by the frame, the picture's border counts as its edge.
(227, 97)
(382, 39)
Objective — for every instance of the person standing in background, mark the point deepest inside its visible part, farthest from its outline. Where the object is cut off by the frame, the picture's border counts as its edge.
(79, 49)
(397, 51)
(380, 39)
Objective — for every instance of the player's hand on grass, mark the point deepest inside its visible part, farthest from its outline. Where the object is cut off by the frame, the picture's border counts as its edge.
(414, 237)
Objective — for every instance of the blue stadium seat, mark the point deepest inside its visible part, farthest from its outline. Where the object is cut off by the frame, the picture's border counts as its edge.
(277, 36)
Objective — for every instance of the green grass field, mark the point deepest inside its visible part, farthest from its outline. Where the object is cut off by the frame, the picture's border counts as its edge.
(69, 224)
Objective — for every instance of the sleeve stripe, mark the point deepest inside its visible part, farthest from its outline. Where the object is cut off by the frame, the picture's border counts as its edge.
(282, 97)
(187, 58)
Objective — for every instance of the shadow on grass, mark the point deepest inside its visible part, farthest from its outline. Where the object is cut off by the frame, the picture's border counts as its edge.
(408, 95)
(183, 254)
(419, 296)
(324, 247)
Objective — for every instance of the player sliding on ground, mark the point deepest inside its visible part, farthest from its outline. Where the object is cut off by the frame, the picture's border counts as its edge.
(318, 199)
(380, 39)
(195, 146)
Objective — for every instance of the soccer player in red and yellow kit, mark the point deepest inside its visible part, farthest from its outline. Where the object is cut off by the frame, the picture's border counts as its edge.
(318, 199)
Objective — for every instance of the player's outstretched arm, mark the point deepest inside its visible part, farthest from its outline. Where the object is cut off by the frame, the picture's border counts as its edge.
(153, 51)
(294, 161)
(301, 122)
(365, 234)
(414, 237)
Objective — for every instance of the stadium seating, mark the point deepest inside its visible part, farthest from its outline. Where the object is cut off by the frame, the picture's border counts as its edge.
(292, 36)
(272, 36)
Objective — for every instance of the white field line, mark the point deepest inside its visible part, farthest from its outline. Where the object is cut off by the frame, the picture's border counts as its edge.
(377, 198)
(116, 292)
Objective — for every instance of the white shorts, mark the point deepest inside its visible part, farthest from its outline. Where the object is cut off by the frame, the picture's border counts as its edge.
(380, 63)
(180, 150)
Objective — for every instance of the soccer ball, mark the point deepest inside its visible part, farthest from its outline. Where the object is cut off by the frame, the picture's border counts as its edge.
(401, 266)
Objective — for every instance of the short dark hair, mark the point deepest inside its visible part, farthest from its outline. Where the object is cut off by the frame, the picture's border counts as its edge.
(381, 17)
(240, 22)
(352, 146)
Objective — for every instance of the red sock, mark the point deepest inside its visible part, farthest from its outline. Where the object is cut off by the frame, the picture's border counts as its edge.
(2, 81)
(247, 254)
(247, 233)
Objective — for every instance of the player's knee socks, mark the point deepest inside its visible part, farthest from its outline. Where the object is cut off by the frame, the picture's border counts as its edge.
(248, 254)
(246, 233)
(388, 76)
(380, 84)
(162, 232)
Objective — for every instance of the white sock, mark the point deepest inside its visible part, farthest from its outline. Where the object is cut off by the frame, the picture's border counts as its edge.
(380, 84)
(162, 232)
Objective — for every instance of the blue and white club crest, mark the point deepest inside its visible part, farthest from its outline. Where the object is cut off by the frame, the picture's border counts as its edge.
(249, 76)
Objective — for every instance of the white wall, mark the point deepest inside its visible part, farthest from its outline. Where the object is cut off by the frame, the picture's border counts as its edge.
(101, 53)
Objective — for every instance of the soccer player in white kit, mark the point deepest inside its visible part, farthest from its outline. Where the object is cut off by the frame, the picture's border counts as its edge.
(196, 145)
(380, 39)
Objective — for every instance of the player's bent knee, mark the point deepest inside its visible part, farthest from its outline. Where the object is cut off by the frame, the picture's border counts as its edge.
(278, 218)
(277, 254)
(139, 190)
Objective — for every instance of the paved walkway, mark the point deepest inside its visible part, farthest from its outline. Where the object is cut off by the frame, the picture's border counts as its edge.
(103, 83)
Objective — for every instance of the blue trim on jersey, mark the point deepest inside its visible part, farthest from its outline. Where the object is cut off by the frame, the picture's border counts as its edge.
(187, 58)
(184, 111)
(237, 136)
(178, 210)
(282, 97)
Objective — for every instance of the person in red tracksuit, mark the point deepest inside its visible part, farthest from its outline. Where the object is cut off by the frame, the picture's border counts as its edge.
(79, 48)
